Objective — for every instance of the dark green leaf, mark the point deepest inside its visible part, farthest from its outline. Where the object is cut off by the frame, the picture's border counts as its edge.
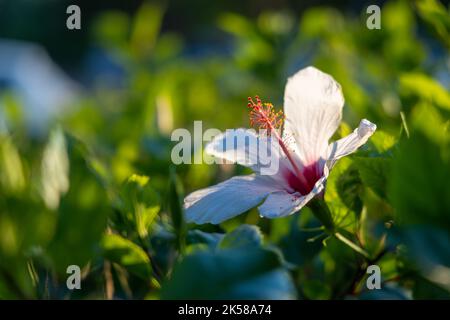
(83, 207)
(127, 254)
(419, 188)
(374, 173)
(241, 237)
(230, 274)
(200, 237)
(176, 209)
(140, 203)
(349, 188)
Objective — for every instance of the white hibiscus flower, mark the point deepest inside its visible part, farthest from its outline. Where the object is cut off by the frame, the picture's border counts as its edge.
(313, 103)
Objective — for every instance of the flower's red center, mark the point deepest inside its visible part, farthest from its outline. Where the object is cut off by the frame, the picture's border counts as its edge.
(311, 175)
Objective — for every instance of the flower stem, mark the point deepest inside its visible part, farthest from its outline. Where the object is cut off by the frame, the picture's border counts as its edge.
(352, 245)
(323, 214)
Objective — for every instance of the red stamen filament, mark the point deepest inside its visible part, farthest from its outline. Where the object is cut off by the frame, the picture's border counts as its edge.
(265, 117)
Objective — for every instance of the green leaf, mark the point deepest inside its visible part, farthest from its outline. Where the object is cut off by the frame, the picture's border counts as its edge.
(82, 213)
(175, 199)
(349, 188)
(426, 257)
(426, 118)
(230, 274)
(425, 289)
(419, 188)
(374, 173)
(145, 31)
(140, 203)
(26, 223)
(427, 246)
(316, 289)
(55, 169)
(340, 211)
(437, 16)
(12, 176)
(212, 240)
(336, 265)
(382, 141)
(297, 246)
(426, 88)
(235, 24)
(242, 237)
(127, 254)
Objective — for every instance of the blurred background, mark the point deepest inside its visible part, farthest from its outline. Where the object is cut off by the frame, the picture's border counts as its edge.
(86, 117)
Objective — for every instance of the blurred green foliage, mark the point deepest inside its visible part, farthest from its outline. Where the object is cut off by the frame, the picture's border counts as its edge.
(101, 191)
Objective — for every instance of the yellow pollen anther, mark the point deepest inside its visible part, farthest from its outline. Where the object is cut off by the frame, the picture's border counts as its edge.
(263, 115)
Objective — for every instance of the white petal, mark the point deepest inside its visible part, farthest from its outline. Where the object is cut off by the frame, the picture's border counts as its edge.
(313, 103)
(227, 199)
(350, 143)
(278, 204)
(244, 147)
(282, 203)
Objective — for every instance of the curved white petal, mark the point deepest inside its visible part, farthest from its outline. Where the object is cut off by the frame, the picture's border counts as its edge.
(278, 204)
(350, 143)
(313, 103)
(227, 199)
(245, 147)
(282, 203)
